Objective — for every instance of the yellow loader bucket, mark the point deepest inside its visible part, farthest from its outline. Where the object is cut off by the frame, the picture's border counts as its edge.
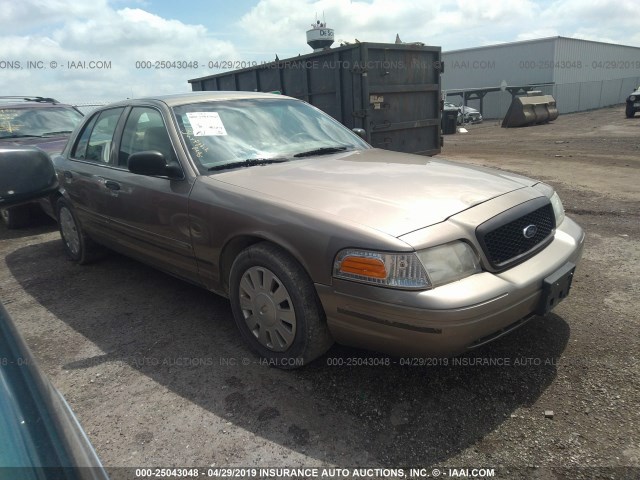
(530, 110)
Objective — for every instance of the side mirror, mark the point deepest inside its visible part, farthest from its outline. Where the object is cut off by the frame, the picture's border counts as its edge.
(26, 173)
(360, 132)
(152, 162)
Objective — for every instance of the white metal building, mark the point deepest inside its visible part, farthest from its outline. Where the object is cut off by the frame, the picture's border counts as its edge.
(580, 74)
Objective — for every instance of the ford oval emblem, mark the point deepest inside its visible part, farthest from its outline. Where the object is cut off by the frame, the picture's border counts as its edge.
(530, 231)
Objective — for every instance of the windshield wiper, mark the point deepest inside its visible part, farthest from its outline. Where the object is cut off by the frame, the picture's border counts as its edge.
(17, 135)
(250, 162)
(61, 132)
(320, 151)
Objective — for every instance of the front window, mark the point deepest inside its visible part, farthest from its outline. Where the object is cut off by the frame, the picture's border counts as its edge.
(38, 121)
(145, 130)
(228, 132)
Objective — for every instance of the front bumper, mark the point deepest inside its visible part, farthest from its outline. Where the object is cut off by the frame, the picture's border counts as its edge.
(450, 319)
(473, 118)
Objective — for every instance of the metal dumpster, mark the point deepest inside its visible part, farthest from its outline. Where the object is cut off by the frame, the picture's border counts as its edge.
(450, 121)
(530, 110)
(391, 91)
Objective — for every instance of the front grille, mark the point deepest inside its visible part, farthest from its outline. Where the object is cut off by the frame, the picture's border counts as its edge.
(502, 237)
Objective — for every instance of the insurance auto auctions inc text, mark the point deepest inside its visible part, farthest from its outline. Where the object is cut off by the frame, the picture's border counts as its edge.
(350, 473)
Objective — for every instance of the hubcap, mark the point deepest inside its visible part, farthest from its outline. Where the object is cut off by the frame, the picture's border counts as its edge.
(267, 309)
(69, 231)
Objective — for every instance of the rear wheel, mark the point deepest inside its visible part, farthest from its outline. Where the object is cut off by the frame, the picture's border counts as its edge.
(276, 307)
(630, 111)
(79, 247)
(16, 217)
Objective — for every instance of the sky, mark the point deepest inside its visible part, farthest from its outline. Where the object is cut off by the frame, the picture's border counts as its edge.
(107, 50)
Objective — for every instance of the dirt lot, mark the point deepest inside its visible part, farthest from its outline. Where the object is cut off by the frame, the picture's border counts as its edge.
(158, 375)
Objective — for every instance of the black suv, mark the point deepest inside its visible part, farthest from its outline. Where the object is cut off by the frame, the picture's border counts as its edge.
(39, 122)
(633, 103)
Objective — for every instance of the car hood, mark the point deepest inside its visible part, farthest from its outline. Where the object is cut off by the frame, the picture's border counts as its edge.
(394, 193)
(51, 145)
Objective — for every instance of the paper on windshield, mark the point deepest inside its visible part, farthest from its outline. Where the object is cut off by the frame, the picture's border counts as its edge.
(206, 124)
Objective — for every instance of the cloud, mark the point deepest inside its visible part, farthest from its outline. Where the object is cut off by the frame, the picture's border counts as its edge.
(25, 16)
(285, 23)
(538, 33)
(597, 20)
(127, 32)
(450, 24)
(121, 42)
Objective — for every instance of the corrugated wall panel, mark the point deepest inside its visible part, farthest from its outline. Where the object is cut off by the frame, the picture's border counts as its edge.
(589, 93)
(585, 61)
(567, 98)
(519, 63)
(496, 104)
(586, 74)
(611, 92)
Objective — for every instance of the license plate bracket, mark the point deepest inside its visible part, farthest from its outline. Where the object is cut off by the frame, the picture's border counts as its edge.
(555, 288)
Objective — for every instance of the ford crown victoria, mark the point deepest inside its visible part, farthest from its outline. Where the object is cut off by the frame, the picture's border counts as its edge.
(312, 234)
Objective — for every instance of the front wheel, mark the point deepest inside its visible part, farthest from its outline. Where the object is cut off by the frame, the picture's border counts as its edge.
(276, 307)
(78, 246)
(630, 111)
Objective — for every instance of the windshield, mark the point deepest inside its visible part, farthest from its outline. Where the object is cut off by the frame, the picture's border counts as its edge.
(38, 121)
(251, 131)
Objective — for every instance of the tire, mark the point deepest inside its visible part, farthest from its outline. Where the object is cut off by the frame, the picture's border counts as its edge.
(630, 111)
(78, 246)
(16, 217)
(276, 307)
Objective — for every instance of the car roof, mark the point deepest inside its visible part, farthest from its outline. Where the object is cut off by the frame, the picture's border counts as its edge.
(194, 97)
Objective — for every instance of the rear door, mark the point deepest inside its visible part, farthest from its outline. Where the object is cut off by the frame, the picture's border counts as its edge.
(83, 174)
(148, 214)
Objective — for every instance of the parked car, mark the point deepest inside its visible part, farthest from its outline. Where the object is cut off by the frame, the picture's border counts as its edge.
(312, 234)
(41, 437)
(34, 121)
(466, 114)
(470, 115)
(633, 104)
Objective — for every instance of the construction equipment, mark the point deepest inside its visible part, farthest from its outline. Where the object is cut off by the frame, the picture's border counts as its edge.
(530, 110)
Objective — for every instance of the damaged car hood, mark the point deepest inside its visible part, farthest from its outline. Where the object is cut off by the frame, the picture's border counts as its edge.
(392, 192)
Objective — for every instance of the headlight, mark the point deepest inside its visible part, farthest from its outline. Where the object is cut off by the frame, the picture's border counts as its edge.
(449, 262)
(556, 203)
(558, 209)
(421, 270)
(400, 270)
(632, 98)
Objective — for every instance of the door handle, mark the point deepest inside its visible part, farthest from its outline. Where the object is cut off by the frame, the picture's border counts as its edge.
(68, 174)
(111, 185)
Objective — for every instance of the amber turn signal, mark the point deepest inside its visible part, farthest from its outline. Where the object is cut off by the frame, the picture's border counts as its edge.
(367, 267)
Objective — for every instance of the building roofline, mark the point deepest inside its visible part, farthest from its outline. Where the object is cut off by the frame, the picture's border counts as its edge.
(535, 40)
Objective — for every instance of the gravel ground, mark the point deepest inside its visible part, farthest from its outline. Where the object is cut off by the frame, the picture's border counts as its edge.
(158, 375)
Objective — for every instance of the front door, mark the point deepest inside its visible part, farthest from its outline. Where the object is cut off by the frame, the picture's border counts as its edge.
(150, 214)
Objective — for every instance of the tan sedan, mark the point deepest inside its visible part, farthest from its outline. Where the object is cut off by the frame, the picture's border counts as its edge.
(313, 235)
